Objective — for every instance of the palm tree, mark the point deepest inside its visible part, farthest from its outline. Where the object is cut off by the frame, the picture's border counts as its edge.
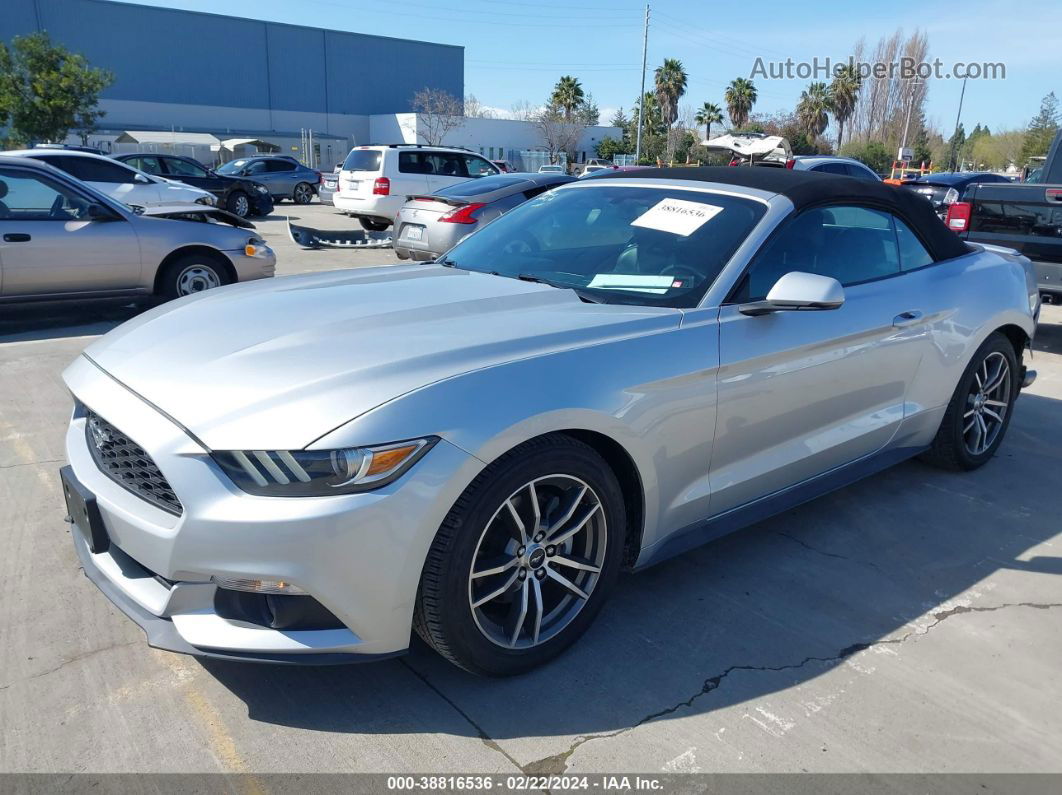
(670, 86)
(740, 97)
(813, 109)
(844, 92)
(708, 114)
(567, 95)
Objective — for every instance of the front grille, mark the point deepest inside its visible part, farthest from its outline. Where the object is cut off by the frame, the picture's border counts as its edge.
(128, 465)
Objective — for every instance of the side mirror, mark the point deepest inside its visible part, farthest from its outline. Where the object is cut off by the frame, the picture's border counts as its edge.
(798, 291)
(97, 212)
(141, 179)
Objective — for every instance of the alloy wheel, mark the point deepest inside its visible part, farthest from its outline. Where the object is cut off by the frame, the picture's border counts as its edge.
(303, 194)
(537, 561)
(241, 206)
(196, 278)
(987, 404)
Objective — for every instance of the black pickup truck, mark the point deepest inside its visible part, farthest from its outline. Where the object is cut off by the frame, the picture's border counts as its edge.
(1026, 216)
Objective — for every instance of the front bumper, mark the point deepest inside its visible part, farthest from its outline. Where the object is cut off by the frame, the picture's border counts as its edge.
(251, 268)
(359, 555)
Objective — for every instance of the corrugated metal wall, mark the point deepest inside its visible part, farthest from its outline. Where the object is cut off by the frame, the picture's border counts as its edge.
(174, 56)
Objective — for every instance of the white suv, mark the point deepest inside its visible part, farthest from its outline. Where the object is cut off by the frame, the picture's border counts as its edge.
(375, 180)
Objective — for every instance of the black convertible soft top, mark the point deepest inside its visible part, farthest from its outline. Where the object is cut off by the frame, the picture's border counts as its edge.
(810, 188)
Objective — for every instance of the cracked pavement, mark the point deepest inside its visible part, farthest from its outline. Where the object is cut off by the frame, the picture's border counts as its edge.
(908, 623)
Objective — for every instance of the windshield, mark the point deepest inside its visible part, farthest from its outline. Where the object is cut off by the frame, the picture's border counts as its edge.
(615, 244)
(234, 166)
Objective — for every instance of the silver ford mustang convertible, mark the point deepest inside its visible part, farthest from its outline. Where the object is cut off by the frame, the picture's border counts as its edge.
(305, 469)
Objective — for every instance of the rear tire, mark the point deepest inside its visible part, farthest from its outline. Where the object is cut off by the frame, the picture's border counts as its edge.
(373, 225)
(190, 274)
(979, 413)
(303, 193)
(476, 621)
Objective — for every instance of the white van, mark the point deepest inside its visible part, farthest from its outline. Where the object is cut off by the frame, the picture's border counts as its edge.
(375, 180)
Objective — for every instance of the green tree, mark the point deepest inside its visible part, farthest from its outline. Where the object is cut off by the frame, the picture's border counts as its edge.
(844, 93)
(609, 147)
(567, 95)
(813, 109)
(708, 114)
(1042, 129)
(670, 82)
(46, 91)
(740, 96)
(871, 153)
(588, 111)
(955, 144)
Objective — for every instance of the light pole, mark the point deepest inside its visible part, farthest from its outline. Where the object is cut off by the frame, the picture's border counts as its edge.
(641, 94)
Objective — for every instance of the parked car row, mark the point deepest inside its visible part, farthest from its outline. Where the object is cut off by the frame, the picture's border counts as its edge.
(64, 237)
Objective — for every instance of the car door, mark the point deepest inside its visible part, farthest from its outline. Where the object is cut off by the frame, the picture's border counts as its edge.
(801, 393)
(281, 176)
(414, 173)
(258, 170)
(48, 243)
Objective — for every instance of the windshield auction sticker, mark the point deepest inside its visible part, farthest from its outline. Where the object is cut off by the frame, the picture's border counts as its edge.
(677, 216)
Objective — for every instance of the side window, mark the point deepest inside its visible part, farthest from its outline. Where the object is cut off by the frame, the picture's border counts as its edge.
(860, 172)
(279, 165)
(181, 168)
(913, 254)
(850, 244)
(447, 164)
(257, 167)
(28, 197)
(414, 163)
(149, 165)
(832, 168)
(89, 169)
(478, 167)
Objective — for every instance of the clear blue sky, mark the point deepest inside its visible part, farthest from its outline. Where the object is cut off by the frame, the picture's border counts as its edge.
(516, 49)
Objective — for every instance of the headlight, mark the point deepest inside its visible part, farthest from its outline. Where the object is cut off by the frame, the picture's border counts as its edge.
(256, 247)
(261, 188)
(321, 473)
(210, 200)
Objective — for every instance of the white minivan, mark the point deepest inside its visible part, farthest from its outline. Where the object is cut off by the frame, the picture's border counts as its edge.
(375, 180)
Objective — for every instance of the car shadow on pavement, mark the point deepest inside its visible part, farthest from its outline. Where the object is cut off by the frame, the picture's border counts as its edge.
(827, 584)
(59, 319)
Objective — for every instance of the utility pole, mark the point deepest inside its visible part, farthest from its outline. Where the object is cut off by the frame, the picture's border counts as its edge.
(962, 95)
(641, 94)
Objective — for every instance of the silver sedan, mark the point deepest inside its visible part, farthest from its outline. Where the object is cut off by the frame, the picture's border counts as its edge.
(62, 239)
(305, 469)
(429, 225)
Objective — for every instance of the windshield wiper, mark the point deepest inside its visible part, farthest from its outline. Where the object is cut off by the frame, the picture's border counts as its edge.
(446, 262)
(584, 295)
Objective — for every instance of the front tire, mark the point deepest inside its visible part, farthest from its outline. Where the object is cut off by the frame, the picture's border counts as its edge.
(190, 274)
(979, 413)
(303, 193)
(524, 560)
(239, 204)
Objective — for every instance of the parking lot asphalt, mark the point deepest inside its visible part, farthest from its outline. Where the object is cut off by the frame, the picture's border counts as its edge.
(909, 623)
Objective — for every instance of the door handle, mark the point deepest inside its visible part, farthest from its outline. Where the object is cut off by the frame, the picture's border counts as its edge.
(16, 237)
(908, 318)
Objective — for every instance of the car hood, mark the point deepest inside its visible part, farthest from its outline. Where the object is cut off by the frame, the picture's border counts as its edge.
(277, 364)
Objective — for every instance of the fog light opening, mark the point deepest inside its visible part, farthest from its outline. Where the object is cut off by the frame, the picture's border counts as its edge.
(259, 586)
